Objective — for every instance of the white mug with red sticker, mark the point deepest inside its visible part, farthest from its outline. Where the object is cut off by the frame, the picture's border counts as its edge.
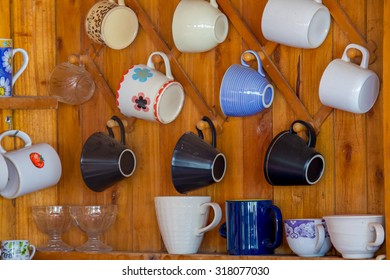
(30, 168)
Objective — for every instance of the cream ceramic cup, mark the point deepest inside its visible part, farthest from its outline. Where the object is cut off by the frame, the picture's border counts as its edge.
(113, 24)
(148, 94)
(198, 26)
(31, 168)
(296, 23)
(183, 220)
(348, 86)
(356, 236)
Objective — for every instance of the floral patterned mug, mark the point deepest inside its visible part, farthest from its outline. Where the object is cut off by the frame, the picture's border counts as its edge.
(17, 250)
(148, 94)
(7, 77)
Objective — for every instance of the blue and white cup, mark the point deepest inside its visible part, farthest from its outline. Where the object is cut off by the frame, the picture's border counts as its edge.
(307, 237)
(245, 91)
(7, 75)
(17, 250)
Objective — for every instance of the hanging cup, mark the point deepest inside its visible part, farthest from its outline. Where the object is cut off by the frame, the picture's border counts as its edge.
(105, 161)
(196, 163)
(290, 160)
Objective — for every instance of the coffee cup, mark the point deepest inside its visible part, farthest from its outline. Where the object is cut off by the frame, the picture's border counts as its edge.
(113, 24)
(104, 160)
(71, 83)
(30, 168)
(290, 160)
(347, 86)
(245, 91)
(17, 250)
(252, 227)
(296, 23)
(307, 237)
(7, 75)
(198, 26)
(356, 236)
(182, 221)
(196, 163)
(148, 94)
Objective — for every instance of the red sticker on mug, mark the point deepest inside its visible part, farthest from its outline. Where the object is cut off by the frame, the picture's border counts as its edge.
(37, 160)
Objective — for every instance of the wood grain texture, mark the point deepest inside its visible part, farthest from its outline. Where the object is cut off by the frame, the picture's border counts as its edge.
(354, 146)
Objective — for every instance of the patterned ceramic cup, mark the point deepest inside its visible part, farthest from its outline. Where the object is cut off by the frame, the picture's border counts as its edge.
(17, 250)
(307, 237)
(115, 25)
(7, 77)
(30, 168)
(148, 94)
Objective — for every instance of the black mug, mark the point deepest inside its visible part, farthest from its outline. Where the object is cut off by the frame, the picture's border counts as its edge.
(196, 163)
(105, 161)
(290, 160)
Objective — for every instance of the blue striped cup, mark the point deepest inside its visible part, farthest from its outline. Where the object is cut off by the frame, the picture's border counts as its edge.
(245, 91)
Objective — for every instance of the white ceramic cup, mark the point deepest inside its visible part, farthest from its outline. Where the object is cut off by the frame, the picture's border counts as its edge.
(198, 26)
(347, 86)
(31, 168)
(307, 237)
(112, 24)
(296, 23)
(148, 94)
(183, 220)
(17, 250)
(356, 236)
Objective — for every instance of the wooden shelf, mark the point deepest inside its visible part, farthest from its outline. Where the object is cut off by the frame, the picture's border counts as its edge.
(28, 102)
(124, 255)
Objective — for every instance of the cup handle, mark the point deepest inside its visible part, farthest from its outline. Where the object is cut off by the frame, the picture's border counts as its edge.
(321, 238)
(363, 50)
(121, 127)
(13, 133)
(23, 66)
(259, 67)
(216, 220)
(214, 3)
(278, 228)
(168, 72)
(222, 230)
(379, 233)
(213, 131)
(121, 2)
(312, 137)
(33, 250)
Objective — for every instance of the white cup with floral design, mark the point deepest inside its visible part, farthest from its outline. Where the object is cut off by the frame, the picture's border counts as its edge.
(17, 250)
(148, 94)
(307, 237)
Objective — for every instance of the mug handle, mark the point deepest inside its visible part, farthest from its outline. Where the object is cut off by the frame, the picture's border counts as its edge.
(168, 72)
(213, 131)
(121, 127)
(13, 133)
(121, 2)
(222, 231)
(217, 216)
(278, 228)
(312, 137)
(23, 66)
(379, 233)
(363, 50)
(214, 3)
(259, 67)
(33, 250)
(321, 238)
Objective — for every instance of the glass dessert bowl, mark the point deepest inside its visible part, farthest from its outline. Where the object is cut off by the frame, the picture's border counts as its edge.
(94, 221)
(53, 221)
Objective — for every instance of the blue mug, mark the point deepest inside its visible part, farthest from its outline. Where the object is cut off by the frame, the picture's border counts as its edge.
(253, 227)
(245, 91)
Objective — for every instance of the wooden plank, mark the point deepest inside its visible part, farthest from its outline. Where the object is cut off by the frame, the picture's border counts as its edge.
(28, 102)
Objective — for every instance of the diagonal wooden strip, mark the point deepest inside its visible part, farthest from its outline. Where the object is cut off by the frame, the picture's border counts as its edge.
(268, 65)
(353, 34)
(177, 69)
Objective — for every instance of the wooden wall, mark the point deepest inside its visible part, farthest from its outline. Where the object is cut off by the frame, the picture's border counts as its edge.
(351, 144)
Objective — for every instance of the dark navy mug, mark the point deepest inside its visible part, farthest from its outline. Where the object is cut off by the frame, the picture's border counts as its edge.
(253, 227)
